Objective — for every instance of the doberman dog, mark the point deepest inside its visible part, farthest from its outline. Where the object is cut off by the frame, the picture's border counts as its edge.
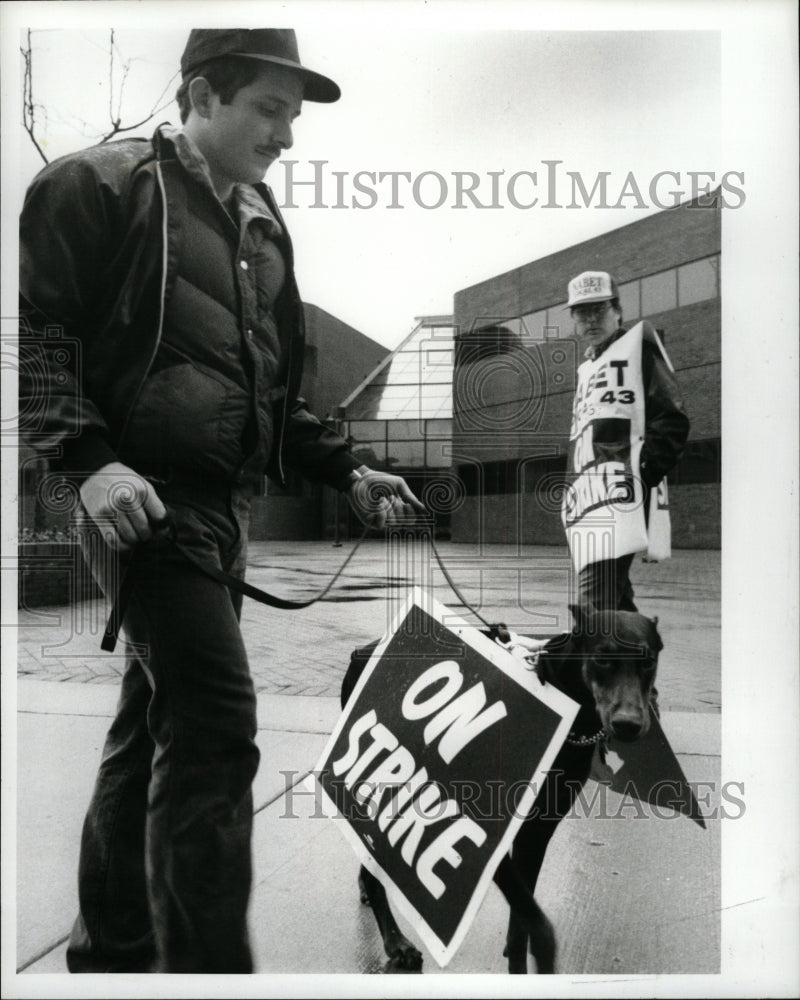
(607, 664)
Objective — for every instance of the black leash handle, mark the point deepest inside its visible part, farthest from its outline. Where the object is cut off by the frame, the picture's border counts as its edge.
(119, 607)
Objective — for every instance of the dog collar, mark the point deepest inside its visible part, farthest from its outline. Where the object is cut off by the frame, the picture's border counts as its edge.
(586, 741)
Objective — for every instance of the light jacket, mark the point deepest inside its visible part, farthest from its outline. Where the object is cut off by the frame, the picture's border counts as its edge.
(100, 238)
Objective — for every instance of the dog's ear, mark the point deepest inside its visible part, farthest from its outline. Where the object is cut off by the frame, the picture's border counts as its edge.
(559, 660)
(658, 645)
(581, 613)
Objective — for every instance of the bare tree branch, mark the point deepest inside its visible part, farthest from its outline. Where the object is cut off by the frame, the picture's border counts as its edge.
(129, 128)
(111, 78)
(116, 123)
(30, 108)
(126, 66)
(125, 70)
(28, 105)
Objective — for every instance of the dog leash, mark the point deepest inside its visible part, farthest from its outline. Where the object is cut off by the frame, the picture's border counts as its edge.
(498, 629)
(166, 536)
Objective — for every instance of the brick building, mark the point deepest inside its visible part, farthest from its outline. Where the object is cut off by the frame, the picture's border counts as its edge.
(513, 383)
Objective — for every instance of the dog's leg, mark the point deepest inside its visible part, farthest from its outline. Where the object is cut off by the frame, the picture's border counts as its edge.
(531, 919)
(516, 949)
(528, 927)
(528, 856)
(403, 956)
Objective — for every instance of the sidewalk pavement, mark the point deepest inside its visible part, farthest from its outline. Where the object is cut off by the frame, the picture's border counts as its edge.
(306, 652)
(626, 898)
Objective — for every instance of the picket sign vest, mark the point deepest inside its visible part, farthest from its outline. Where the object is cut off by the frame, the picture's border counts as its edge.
(603, 503)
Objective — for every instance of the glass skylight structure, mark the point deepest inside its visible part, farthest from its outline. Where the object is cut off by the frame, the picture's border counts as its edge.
(401, 416)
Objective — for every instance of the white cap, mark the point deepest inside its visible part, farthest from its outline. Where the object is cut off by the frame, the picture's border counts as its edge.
(591, 286)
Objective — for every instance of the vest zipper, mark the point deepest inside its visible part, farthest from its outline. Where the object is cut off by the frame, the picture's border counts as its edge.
(272, 205)
(285, 409)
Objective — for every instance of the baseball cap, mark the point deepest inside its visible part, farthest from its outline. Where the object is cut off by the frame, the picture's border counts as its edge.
(271, 45)
(591, 286)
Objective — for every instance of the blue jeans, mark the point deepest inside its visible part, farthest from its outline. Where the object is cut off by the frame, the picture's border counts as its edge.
(165, 865)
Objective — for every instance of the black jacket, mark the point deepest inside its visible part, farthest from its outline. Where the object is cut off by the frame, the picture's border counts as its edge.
(666, 422)
(98, 252)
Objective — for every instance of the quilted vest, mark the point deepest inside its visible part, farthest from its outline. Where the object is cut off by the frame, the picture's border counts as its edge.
(206, 406)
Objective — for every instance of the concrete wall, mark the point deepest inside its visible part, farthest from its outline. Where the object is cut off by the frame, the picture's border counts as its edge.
(653, 244)
(696, 516)
(339, 359)
(527, 519)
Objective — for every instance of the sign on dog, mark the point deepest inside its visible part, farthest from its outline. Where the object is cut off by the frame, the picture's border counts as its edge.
(435, 762)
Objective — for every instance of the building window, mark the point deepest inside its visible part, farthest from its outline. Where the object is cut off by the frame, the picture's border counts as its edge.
(444, 333)
(438, 453)
(534, 324)
(367, 430)
(405, 430)
(698, 281)
(367, 439)
(558, 323)
(439, 428)
(407, 454)
(433, 359)
(629, 300)
(659, 293)
(371, 453)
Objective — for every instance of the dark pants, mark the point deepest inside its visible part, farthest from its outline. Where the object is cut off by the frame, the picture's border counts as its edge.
(606, 584)
(165, 865)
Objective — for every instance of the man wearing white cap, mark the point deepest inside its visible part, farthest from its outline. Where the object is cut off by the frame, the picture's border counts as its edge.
(628, 431)
(167, 262)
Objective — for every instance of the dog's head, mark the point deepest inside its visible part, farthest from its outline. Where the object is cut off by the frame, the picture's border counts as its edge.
(619, 657)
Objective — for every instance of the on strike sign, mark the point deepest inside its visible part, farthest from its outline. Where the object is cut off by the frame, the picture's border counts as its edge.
(436, 761)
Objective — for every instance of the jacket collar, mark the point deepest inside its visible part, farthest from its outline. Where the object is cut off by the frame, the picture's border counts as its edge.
(250, 205)
(593, 351)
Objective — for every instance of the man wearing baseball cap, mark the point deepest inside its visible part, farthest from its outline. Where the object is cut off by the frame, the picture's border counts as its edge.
(628, 431)
(167, 262)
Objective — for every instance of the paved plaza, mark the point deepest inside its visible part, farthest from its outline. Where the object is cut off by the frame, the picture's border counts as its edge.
(626, 898)
(306, 652)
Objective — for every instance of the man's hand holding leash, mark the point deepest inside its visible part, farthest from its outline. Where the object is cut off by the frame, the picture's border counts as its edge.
(117, 496)
(379, 498)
